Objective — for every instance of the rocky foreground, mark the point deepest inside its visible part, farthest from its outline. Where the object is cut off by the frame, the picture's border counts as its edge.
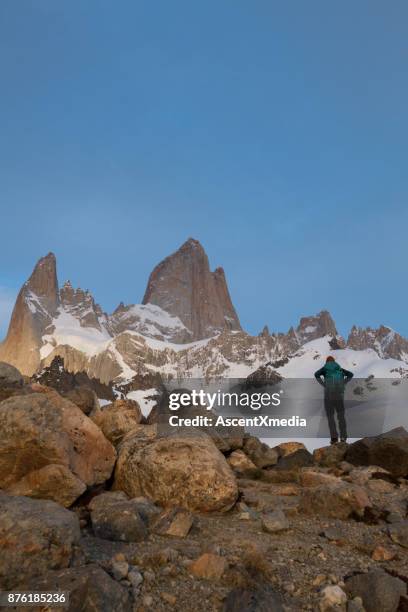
(129, 516)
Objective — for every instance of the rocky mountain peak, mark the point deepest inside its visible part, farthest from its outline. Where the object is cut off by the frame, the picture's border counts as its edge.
(184, 286)
(81, 305)
(316, 326)
(384, 340)
(36, 304)
(43, 281)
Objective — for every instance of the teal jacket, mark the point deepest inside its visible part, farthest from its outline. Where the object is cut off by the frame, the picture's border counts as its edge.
(333, 377)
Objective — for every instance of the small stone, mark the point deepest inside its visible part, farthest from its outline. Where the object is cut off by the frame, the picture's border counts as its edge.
(135, 578)
(380, 553)
(275, 521)
(120, 570)
(209, 566)
(320, 578)
(149, 576)
(334, 534)
(398, 533)
(332, 596)
(175, 522)
(168, 598)
(147, 601)
(393, 517)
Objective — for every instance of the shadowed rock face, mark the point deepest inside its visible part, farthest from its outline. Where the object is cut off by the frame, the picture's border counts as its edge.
(183, 285)
(35, 306)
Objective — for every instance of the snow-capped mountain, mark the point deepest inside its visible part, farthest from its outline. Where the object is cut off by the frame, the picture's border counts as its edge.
(186, 327)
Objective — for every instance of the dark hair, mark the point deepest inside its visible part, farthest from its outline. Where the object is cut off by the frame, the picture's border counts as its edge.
(330, 358)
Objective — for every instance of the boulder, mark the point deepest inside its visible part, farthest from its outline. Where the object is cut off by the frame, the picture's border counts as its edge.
(242, 464)
(377, 589)
(118, 419)
(10, 380)
(330, 456)
(287, 448)
(44, 429)
(312, 478)
(35, 536)
(388, 450)
(226, 439)
(184, 469)
(115, 517)
(83, 397)
(339, 500)
(90, 589)
(296, 460)
(260, 454)
(10, 376)
(52, 481)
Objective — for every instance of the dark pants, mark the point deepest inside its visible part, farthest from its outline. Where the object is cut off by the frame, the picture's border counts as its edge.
(334, 403)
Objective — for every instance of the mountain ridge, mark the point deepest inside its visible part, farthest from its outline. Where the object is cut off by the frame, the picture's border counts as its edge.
(199, 335)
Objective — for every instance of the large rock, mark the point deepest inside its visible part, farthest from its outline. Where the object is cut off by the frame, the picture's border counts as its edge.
(388, 450)
(378, 590)
(90, 588)
(338, 500)
(83, 397)
(329, 456)
(225, 438)
(115, 517)
(184, 286)
(118, 419)
(242, 464)
(35, 536)
(10, 380)
(296, 460)
(260, 454)
(52, 481)
(43, 429)
(184, 469)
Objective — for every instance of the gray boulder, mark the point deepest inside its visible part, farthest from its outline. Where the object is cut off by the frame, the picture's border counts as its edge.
(90, 589)
(35, 536)
(388, 450)
(377, 589)
(115, 517)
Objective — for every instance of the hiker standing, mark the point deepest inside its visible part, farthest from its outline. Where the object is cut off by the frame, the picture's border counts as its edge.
(334, 378)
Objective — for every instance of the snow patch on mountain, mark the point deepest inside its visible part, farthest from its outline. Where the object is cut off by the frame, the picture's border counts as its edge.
(362, 363)
(66, 329)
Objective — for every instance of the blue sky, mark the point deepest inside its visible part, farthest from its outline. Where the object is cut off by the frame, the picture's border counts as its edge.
(274, 132)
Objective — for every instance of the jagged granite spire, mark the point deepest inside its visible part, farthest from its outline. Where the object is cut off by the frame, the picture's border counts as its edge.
(36, 305)
(184, 286)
